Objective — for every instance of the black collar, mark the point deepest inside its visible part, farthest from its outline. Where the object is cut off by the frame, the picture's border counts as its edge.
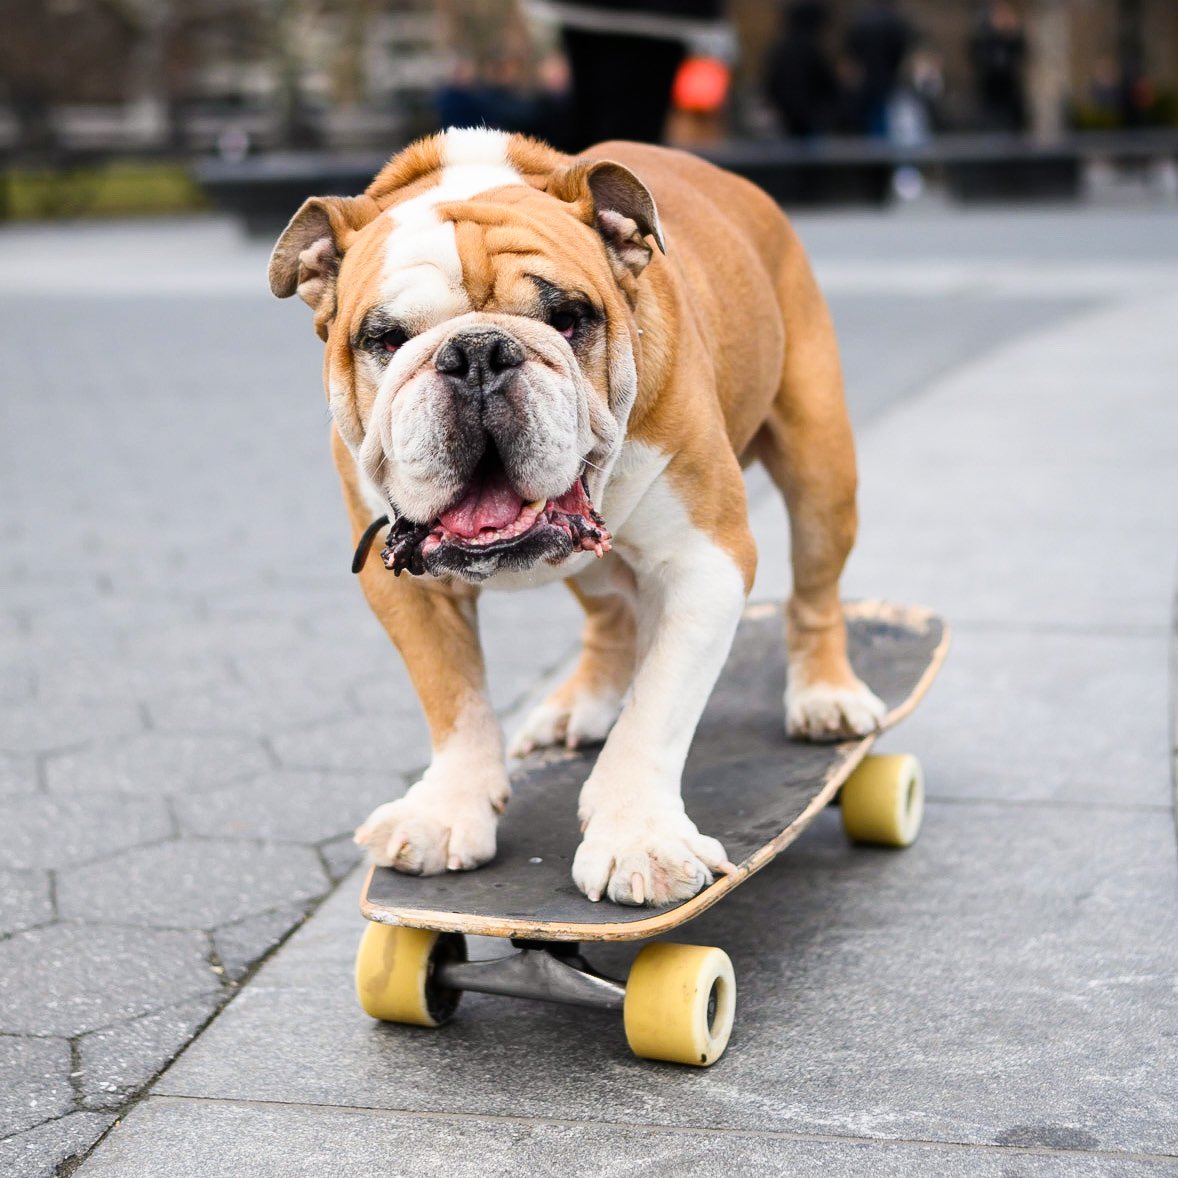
(361, 554)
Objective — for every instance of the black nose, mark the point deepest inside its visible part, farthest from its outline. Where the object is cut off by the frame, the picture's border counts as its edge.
(479, 361)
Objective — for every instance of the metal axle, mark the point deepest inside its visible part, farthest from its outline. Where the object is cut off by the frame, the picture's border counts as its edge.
(546, 973)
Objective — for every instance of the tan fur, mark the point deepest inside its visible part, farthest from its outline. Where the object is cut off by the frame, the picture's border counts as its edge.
(606, 663)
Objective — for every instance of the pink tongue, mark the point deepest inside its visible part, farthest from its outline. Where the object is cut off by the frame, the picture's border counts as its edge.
(489, 504)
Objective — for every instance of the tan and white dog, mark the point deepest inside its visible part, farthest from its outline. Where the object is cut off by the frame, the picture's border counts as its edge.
(530, 392)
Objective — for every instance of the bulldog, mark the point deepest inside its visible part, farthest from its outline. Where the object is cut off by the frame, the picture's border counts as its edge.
(541, 367)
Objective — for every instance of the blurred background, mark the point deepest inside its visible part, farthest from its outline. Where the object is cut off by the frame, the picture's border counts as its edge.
(117, 106)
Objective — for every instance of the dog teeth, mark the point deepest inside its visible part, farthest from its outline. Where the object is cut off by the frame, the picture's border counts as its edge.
(537, 505)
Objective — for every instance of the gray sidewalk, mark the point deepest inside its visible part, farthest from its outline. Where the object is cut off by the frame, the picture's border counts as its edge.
(192, 725)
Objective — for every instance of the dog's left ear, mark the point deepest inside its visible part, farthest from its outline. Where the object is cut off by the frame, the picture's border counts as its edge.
(620, 206)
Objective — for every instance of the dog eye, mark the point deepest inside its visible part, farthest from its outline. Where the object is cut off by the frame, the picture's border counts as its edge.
(565, 322)
(393, 339)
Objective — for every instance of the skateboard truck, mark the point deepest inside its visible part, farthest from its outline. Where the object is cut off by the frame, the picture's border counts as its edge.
(545, 971)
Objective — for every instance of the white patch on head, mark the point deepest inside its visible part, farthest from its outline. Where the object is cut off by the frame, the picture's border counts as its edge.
(474, 145)
(422, 275)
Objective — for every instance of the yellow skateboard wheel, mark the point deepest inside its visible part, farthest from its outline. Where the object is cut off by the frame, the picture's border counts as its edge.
(680, 1003)
(882, 802)
(395, 974)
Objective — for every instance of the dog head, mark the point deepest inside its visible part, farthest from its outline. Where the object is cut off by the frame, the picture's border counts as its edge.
(477, 305)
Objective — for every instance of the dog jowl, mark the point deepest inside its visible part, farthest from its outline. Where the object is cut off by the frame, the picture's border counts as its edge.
(546, 367)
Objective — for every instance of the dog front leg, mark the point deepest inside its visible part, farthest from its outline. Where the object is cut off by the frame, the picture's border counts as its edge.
(447, 820)
(639, 846)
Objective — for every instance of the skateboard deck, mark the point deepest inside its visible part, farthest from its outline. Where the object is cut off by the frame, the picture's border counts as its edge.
(745, 783)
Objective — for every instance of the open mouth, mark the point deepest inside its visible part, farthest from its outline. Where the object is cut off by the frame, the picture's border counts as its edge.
(492, 527)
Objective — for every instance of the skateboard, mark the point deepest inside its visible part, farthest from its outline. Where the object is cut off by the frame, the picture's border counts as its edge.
(745, 783)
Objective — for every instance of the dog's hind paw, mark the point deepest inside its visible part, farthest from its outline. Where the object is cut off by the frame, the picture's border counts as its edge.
(826, 711)
(585, 719)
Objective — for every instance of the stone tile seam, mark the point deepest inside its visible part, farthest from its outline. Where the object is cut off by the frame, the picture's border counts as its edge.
(1051, 803)
(228, 990)
(668, 1129)
(224, 986)
(28, 928)
(51, 1120)
(78, 922)
(79, 746)
(257, 842)
(256, 731)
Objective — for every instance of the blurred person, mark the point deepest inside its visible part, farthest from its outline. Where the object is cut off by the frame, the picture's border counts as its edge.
(623, 57)
(927, 74)
(877, 42)
(998, 52)
(800, 81)
(505, 74)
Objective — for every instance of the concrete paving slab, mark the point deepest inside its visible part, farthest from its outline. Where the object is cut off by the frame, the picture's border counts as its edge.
(340, 856)
(26, 900)
(235, 707)
(39, 1152)
(880, 365)
(43, 831)
(16, 683)
(1034, 714)
(157, 763)
(31, 726)
(355, 744)
(18, 774)
(284, 805)
(192, 883)
(130, 677)
(1011, 974)
(34, 1082)
(241, 944)
(115, 1062)
(165, 1138)
(1046, 511)
(262, 640)
(70, 978)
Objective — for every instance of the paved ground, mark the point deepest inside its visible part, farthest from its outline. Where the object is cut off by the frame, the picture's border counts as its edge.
(196, 710)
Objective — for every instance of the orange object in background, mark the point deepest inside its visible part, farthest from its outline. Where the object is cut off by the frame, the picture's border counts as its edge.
(701, 85)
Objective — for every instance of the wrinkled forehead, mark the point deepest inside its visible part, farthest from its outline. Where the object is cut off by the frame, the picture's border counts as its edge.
(474, 241)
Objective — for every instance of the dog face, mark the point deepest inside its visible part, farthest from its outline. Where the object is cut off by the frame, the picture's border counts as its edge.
(477, 308)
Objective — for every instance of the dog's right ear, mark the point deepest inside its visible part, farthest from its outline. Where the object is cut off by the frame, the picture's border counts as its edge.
(306, 257)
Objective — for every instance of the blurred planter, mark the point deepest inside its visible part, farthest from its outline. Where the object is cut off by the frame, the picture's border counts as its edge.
(112, 189)
(266, 190)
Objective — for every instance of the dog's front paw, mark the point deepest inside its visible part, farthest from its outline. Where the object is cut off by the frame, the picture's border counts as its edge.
(826, 711)
(656, 857)
(426, 834)
(568, 722)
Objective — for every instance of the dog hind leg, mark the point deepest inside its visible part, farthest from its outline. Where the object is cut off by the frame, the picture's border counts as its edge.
(806, 446)
(582, 710)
